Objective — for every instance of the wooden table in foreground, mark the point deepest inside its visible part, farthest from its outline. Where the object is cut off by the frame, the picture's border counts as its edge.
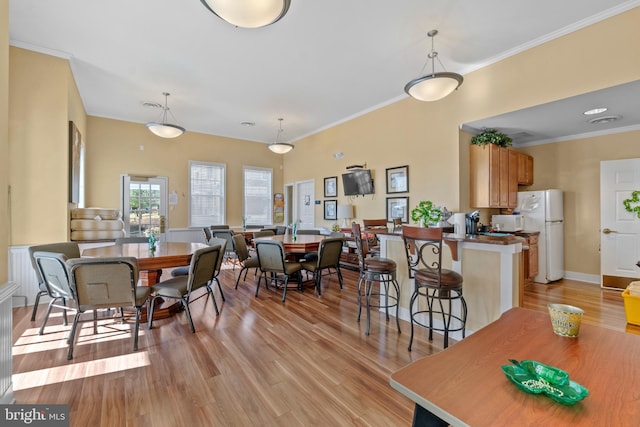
(465, 386)
(303, 243)
(150, 264)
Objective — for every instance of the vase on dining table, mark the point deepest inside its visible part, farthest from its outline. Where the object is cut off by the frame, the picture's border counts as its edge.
(152, 243)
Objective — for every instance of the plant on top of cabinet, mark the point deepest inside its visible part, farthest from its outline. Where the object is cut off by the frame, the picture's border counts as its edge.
(491, 136)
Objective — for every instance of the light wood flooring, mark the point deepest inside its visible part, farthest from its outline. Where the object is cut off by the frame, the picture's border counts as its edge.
(259, 363)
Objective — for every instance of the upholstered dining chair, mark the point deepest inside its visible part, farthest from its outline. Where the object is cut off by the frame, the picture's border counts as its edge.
(207, 234)
(51, 267)
(328, 258)
(246, 261)
(274, 267)
(184, 271)
(229, 253)
(69, 249)
(105, 283)
(201, 273)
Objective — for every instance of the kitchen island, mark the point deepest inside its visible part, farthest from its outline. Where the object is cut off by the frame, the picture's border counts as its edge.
(490, 265)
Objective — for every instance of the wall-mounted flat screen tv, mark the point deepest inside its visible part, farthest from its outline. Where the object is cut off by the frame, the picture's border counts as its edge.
(357, 183)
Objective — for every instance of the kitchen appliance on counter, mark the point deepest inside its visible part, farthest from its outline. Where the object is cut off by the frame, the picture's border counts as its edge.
(543, 212)
(509, 223)
(471, 221)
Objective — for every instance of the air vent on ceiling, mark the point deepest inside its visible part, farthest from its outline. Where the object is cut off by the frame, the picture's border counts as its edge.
(604, 119)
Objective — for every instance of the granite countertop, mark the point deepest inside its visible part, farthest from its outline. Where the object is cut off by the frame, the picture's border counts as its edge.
(491, 239)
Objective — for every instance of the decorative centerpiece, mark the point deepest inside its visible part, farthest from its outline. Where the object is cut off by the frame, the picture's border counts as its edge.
(491, 136)
(152, 234)
(426, 213)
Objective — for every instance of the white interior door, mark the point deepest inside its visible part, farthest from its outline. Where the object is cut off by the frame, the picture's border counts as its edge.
(305, 204)
(619, 229)
(144, 205)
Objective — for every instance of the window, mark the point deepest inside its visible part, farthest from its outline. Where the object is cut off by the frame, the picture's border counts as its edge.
(206, 194)
(257, 196)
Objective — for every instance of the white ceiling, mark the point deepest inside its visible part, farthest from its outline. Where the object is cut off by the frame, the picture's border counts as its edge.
(323, 63)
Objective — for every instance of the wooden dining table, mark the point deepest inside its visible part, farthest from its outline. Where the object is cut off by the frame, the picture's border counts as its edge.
(151, 263)
(464, 385)
(301, 244)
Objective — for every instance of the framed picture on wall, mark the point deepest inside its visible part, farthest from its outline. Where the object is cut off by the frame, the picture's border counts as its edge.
(331, 186)
(330, 209)
(75, 152)
(398, 179)
(398, 207)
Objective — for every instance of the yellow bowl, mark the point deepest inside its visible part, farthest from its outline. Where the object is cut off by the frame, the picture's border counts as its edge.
(565, 319)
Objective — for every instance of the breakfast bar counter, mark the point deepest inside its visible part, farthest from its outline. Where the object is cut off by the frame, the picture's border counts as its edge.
(491, 266)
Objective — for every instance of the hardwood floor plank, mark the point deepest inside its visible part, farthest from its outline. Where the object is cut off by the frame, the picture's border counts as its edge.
(260, 362)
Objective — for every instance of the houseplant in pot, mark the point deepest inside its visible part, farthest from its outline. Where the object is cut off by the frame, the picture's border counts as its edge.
(426, 213)
(491, 136)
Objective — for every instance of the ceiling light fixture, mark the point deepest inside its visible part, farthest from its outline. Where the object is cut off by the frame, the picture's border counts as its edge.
(164, 129)
(603, 119)
(280, 147)
(248, 13)
(595, 111)
(434, 86)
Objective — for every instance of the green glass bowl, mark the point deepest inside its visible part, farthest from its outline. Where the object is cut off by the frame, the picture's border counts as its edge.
(536, 378)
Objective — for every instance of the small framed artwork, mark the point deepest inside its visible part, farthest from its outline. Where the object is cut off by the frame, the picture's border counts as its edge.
(398, 207)
(331, 186)
(330, 209)
(75, 158)
(398, 179)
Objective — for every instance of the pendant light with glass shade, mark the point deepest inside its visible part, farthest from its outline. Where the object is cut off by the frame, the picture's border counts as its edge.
(248, 13)
(164, 129)
(434, 86)
(277, 146)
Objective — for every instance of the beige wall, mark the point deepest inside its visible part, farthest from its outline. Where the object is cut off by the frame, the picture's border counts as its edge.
(43, 99)
(426, 136)
(4, 137)
(113, 149)
(574, 167)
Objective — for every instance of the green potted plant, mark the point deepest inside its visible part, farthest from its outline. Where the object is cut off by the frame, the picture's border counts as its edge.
(426, 213)
(491, 136)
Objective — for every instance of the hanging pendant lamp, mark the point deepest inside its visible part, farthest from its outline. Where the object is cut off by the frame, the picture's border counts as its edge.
(434, 86)
(280, 147)
(164, 129)
(248, 13)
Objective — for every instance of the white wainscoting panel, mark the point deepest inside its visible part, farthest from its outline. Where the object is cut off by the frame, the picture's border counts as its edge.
(6, 342)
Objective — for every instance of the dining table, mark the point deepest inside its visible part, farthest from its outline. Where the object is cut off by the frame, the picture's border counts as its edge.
(151, 263)
(464, 385)
(300, 244)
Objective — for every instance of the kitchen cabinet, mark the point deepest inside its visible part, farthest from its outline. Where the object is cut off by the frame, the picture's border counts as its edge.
(525, 169)
(530, 257)
(493, 177)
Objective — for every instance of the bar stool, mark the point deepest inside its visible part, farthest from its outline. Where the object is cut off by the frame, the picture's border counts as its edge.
(372, 270)
(424, 256)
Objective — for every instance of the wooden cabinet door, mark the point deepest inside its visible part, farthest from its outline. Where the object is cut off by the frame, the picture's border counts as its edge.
(533, 256)
(525, 169)
(496, 176)
(503, 186)
(512, 183)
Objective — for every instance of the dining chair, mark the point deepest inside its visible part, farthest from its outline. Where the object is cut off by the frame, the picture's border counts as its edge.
(308, 232)
(328, 258)
(246, 261)
(105, 283)
(370, 227)
(69, 249)
(207, 234)
(229, 253)
(52, 268)
(397, 225)
(271, 258)
(184, 271)
(264, 233)
(219, 227)
(201, 273)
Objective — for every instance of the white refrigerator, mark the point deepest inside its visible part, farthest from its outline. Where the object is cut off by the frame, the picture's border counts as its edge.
(543, 212)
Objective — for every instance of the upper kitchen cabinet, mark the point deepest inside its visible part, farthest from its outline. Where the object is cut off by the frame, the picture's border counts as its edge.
(493, 177)
(525, 169)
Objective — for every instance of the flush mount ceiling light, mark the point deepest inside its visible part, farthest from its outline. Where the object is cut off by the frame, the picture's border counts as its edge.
(164, 129)
(248, 13)
(595, 111)
(434, 86)
(280, 147)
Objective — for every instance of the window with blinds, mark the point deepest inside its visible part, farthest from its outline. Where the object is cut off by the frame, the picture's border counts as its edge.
(258, 202)
(206, 194)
